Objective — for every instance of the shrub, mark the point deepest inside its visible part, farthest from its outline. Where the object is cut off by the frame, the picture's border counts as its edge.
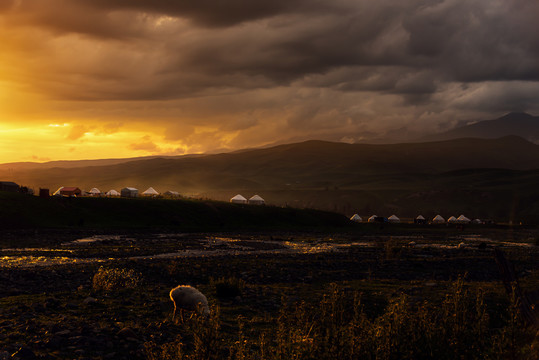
(228, 287)
(337, 328)
(107, 279)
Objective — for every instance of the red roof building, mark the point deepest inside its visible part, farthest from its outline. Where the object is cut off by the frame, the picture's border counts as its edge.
(70, 191)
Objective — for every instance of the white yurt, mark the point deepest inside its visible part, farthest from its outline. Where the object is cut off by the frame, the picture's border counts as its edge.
(112, 193)
(420, 219)
(256, 200)
(238, 199)
(463, 219)
(452, 220)
(477, 221)
(372, 218)
(94, 192)
(150, 192)
(394, 219)
(438, 219)
(172, 193)
(356, 218)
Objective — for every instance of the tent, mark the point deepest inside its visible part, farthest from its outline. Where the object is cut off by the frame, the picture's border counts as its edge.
(256, 200)
(438, 219)
(372, 218)
(420, 219)
(112, 193)
(393, 219)
(356, 218)
(452, 220)
(94, 192)
(238, 199)
(129, 192)
(463, 219)
(150, 192)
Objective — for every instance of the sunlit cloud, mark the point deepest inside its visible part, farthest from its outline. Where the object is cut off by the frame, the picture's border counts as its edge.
(210, 76)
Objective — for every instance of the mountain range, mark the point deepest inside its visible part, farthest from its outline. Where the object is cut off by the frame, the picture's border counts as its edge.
(488, 177)
(518, 124)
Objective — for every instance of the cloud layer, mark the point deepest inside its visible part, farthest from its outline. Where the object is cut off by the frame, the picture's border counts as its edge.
(212, 74)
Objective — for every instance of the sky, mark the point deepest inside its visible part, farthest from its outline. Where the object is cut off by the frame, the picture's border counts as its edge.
(88, 79)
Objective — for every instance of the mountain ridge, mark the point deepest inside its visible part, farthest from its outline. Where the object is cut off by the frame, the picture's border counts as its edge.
(516, 123)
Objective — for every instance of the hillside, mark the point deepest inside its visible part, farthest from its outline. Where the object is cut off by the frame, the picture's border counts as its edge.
(494, 178)
(311, 164)
(517, 124)
(24, 211)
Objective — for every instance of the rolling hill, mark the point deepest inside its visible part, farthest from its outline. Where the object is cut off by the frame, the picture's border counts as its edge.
(517, 124)
(490, 177)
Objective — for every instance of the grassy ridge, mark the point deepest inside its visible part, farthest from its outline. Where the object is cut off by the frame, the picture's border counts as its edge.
(22, 211)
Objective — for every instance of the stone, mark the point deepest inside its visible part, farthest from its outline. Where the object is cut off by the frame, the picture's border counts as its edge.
(128, 333)
(89, 300)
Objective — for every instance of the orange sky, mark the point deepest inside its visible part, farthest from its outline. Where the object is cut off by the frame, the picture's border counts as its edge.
(86, 79)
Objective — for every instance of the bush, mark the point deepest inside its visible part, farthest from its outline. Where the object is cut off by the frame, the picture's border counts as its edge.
(337, 328)
(107, 279)
(228, 287)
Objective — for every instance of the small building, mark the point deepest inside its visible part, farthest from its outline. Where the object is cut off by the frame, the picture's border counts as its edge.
(94, 192)
(452, 220)
(112, 192)
(238, 199)
(356, 218)
(438, 219)
(70, 191)
(173, 194)
(129, 192)
(44, 193)
(256, 200)
(463, 219)
(9, 186)
(420, 219)
(150, 192)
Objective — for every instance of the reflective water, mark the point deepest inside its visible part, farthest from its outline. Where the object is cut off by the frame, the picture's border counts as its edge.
(217, 246)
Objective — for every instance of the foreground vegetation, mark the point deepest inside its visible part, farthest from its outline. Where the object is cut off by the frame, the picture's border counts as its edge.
(337, 327)
(20, 211)
(382, 300)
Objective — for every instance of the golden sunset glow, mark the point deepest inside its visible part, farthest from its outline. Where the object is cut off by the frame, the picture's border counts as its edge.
(164, 78)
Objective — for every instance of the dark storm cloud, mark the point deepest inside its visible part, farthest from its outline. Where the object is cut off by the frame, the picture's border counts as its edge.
(477, 41)
(216, 13)
(340, 63)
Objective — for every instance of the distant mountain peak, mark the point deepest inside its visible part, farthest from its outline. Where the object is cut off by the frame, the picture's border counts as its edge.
(516, 115)
(514, 123)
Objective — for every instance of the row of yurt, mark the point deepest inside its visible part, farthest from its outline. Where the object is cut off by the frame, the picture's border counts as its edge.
(438, 219)
(253, 200)
(420, 219)
(392, 219)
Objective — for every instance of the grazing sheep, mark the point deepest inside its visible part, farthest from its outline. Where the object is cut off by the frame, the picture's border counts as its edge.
(188, 298)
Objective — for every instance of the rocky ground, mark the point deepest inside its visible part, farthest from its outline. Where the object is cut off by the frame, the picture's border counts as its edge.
(55, 311)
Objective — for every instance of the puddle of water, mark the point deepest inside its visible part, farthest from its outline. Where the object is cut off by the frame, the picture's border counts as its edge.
(35, 250)
(219, 246)
(33, 261)
(93, 239)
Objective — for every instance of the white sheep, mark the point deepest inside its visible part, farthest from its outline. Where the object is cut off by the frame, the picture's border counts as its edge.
(188, 298)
